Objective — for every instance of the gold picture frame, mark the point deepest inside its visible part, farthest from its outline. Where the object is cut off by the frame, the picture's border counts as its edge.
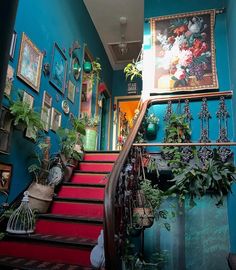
(184, 52)
(30, 63)
(55, 119)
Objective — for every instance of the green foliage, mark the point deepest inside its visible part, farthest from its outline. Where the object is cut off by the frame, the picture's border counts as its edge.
(69, 138)
(151, 119)
(78, 125)
(215, 177)
(131, 71)
(88, 121)
(25, 115)
(177, 131)
(94, 75)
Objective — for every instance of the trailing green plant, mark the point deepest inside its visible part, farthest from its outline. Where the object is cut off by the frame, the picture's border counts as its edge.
(132, 71)
(177, 130)
(214, 177)
(94, 75)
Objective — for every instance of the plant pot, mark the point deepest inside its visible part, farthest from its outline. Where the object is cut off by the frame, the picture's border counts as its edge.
(40, 197)
(87, 66)
(90, 139)
(151, 131)
(143, 217)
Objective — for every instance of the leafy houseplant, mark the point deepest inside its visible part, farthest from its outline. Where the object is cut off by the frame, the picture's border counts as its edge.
(151, 122)
(132, 71)
(94, 74)
(91, 124)
(197, 180)
(177, 131)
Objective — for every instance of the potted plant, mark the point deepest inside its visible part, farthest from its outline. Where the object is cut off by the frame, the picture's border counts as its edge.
(131, 70)
(151, 121)
(70, 152)
(90, 138)
(213, 177)
(25, 117)
(48, 172)
(94, 74)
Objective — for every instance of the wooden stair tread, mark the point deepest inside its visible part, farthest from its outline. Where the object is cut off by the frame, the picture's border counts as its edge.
(71, 218)
(90, 172)
(19, 263)
(102, 152)
(71, 184)
(62, 240)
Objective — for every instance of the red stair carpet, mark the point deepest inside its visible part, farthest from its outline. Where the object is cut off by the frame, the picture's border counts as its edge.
(64, 238)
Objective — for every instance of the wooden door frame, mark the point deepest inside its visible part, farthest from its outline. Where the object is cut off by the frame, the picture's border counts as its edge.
(117, 99)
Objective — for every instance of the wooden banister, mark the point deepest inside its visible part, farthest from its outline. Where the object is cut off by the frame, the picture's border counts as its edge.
(110, 238)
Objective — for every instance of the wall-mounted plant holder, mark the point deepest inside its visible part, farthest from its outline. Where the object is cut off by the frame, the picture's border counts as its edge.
(5, 130)
(87, 66)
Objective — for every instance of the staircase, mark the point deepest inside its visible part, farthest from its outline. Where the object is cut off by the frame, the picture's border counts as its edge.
(64, 238)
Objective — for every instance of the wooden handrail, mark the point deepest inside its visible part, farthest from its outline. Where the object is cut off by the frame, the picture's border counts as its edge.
(111, 256)
(186, 144)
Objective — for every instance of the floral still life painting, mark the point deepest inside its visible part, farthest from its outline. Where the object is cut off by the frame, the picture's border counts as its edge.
(184, 52)
(30, 63)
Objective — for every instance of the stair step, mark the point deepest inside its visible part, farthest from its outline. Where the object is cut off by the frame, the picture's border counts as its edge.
(91, 166)
(49, 249)
(68, 228)
(81, 192)
(90, 178)
(110, 156)
(94, 210)
(18, 263)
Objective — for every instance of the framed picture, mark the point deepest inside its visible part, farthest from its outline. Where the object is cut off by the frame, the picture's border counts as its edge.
(30, 63)
(29, 133)
(86, 98)
(71, 91)
(184, 52)
(9, 80)
(46, 110)
(13, 45)
(58, 69)
(55, 119)
(5, 176)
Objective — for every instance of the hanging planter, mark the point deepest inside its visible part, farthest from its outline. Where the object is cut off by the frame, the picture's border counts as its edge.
(87, 66)
(151, 126)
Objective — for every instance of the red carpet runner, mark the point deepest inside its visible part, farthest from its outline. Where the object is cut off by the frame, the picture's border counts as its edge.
(64, 238)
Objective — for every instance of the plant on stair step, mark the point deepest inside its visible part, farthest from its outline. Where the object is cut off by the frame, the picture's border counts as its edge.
(47, 172)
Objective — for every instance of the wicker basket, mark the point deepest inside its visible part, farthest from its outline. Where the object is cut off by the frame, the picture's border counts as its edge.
(40, 197)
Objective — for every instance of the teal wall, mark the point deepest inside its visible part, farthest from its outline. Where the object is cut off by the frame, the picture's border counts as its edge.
(225, 24)
(231, 31)
(46, 22)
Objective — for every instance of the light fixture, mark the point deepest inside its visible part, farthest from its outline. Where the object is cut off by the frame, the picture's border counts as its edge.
(123, 44)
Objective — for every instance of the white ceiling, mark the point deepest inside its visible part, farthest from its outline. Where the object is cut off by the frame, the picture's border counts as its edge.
(106, 14)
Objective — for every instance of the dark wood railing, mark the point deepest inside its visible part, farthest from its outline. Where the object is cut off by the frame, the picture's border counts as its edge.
(111, 234)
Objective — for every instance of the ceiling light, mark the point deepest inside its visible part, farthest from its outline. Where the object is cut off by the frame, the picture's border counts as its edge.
(123, 48)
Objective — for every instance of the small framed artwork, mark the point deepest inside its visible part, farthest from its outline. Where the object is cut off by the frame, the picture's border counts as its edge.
(58, 69)
(30, 63)
(5, 176)
(55, 119)
(71, 91)
(46, 110)
(13, 45)
(28, 99)
(65, 106)
(9, 80)
(184, 52)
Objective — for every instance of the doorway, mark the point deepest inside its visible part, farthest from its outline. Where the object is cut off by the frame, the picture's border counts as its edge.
(123, 118)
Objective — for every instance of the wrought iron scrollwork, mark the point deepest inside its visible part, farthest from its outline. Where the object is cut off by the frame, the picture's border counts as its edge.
(222, 114)
(204, 152)
(169, 111)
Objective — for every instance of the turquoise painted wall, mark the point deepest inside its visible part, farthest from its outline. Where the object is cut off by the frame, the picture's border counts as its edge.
(154, 8)
(46, 22)
(231, 31)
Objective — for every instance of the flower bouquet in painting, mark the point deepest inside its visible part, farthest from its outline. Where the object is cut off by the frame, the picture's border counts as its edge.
(184, 52)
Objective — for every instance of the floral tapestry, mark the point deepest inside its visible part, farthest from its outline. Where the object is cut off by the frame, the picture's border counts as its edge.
(184, 51)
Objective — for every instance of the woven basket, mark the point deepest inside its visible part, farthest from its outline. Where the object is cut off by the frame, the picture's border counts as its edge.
(40, 197)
